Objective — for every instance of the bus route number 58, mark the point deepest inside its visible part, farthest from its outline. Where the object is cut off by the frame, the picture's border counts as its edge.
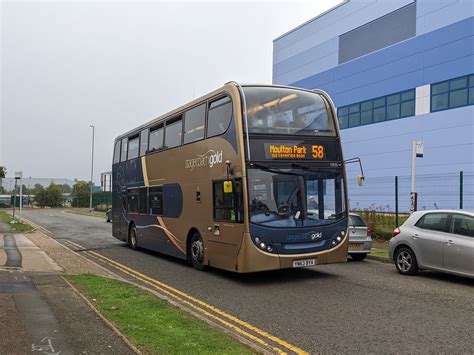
(317, 151)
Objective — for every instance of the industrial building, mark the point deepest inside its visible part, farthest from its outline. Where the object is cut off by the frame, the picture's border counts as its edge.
(398, 71)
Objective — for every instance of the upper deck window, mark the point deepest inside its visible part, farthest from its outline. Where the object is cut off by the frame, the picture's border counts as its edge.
(133, 147)
(173, 132)
(143, 141)
(117, 152)
(194, 121)
(219, 116)
(273, 110)
(123, 156)
(156, 138)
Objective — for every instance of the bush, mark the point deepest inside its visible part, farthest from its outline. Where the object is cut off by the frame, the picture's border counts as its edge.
(102, 208)
(380, 221)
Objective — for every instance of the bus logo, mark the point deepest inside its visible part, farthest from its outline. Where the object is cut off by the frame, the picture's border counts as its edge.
(315, 236)
(210, 158)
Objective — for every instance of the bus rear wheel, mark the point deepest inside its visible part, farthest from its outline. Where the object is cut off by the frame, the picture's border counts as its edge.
(197, 252)
(132, 238)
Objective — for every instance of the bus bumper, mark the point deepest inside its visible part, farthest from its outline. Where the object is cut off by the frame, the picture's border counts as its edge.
(252, 259)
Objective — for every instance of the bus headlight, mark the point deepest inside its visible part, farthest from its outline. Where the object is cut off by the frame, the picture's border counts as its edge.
(338, 238)
(257, 240)
(263, 245)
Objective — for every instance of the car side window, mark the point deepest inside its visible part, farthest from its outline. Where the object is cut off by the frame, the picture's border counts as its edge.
(433, 221)
(462, 225)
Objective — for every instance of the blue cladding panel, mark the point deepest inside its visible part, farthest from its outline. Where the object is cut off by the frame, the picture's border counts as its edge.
(435, 56)
(385, 151)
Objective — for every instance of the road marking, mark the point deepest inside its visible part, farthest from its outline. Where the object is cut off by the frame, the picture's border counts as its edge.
(162, 287)
(169, 289)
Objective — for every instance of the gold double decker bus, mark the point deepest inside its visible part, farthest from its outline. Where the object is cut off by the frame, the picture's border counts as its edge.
(246, 178)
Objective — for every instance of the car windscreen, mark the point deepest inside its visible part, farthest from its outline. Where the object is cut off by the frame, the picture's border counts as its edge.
(356, 221)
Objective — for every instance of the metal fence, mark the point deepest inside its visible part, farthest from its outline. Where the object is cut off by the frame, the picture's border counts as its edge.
(436, 191)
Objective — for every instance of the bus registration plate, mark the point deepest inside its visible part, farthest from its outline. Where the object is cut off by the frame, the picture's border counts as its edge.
(304, 263)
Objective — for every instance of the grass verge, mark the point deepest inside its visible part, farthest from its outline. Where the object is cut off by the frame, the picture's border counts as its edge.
(17, 227)
(379, 252)
(152, 324)
(85, 212)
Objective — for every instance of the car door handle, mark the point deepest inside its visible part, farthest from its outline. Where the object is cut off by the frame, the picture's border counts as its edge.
(415, 236)
(450, 242)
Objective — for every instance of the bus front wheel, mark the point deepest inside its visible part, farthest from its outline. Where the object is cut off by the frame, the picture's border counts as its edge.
(197, 252)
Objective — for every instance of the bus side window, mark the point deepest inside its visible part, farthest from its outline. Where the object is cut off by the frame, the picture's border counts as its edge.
(219, 116)
(227, 206)
(155, 200)
(143, 199)
(117, 152)
(132, 201)
(123, 156)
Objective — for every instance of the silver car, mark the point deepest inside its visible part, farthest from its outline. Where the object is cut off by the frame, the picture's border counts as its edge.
(360, 239)
(439, 240)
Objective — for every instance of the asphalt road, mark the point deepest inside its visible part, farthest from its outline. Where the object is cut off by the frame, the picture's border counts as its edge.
(341, 308)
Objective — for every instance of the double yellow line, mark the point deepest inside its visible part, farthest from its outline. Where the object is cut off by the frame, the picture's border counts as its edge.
(262, 338)
(202, 307)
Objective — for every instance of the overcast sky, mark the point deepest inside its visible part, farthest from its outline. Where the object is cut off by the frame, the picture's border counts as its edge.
(117, 65)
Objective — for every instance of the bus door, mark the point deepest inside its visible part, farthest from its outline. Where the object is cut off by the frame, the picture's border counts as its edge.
(226, 230)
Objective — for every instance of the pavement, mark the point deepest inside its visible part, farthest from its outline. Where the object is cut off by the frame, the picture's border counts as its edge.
(39, 311)
(339, 308)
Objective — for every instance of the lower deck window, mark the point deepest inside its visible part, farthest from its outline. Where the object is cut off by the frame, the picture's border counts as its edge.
(155, 200)
(132, 201)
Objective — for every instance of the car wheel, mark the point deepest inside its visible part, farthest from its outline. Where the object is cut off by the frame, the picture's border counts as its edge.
(358, 256)
(132, 238)
(197, 252)
(405, 261)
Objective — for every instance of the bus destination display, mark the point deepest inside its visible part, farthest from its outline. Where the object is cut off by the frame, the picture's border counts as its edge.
(294, 151)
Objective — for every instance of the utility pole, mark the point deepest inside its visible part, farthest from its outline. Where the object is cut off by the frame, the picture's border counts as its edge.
(416, 152)
(92, 168)
(19, 174)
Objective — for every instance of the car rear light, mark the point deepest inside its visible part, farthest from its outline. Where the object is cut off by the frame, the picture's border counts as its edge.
(396, 232)
(369, 232)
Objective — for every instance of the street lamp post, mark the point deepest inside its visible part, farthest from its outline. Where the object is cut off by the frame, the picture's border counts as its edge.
(92, 168)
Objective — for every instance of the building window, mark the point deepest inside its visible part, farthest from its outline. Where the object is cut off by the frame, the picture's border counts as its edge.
(452, 93)
(390, 107)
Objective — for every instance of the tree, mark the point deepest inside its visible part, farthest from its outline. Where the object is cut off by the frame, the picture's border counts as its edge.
(81, 194)
(66, 188)
(3, 171)
(40, 196)
(54, 195)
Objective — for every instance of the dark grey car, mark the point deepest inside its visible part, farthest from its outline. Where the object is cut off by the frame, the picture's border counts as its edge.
(439, 240)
